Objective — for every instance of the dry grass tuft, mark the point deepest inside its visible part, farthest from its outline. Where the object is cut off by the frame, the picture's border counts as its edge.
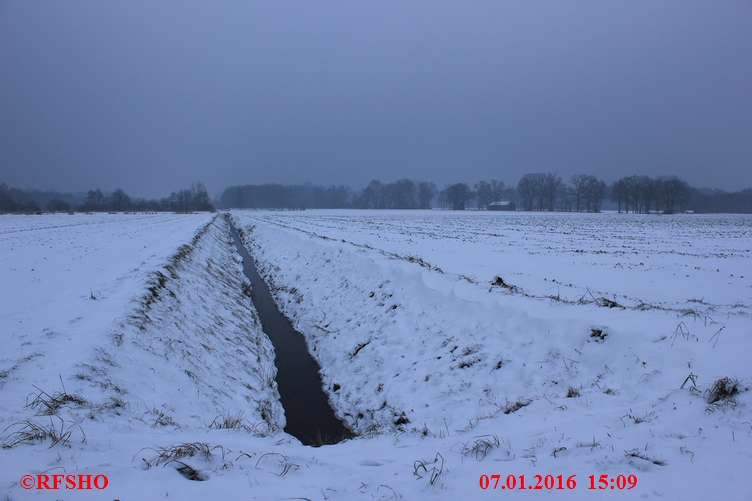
(637, 453)
(724, 391)
(572, 392)
(30, 433)
(511, 407)
(165, 455)
(598, 334)
(592, 444)
(433, 469)
(161, 418)
(499, 282)
(480, 446)
(230, 422)
(48, 405)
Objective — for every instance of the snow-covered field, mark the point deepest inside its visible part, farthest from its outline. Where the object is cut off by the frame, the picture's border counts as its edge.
(455, 344)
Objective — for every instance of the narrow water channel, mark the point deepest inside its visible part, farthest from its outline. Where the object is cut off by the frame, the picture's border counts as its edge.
(310, 418)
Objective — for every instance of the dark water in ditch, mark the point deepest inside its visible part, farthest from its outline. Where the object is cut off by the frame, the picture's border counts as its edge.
(310, 418)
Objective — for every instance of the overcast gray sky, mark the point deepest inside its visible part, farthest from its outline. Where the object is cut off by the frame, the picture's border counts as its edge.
(150, 96)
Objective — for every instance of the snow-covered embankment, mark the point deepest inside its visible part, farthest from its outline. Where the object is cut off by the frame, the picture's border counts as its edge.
(185, 355)
(553, 386)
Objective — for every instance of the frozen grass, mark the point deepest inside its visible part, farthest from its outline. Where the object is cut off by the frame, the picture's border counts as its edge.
(724, 391)
(30, 433)
(479, 447)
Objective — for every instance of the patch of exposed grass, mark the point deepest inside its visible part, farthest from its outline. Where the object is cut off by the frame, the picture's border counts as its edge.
(432, 469)
(510, 407)
(572, 392)
(401, 419)
(598, 334)
(499, 282)
(265, 409)
(230, 421)
(49, 405)
(637, 453)
(648, 417)
(161, 419)
(178, 451)
(723, 391)
(592, 444)
(31, 432)
(173, 454)
(479, 447)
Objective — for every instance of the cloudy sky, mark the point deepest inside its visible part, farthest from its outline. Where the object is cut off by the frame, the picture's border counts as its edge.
(150, 96)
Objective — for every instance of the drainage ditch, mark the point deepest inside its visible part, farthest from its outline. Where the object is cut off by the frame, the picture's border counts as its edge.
(310, 418)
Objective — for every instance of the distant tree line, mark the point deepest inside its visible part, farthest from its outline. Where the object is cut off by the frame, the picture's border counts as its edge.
(587, 193)
(636, 194)
(194, 198)
(533, 192)
(548, 192)
(15, 199)
(718, 201)
(279, 196)
(401, 194)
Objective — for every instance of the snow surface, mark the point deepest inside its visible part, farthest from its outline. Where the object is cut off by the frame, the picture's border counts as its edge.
(445, 372)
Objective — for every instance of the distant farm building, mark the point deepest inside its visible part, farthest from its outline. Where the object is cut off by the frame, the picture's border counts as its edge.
(503, 205)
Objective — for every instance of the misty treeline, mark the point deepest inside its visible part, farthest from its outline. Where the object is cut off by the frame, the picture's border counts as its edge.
(289, 196)
(536, 192)
(193, 198)
(587, 193)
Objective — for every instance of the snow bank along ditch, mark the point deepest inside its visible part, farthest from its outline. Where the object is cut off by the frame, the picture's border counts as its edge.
(184, 353)
(193, 346)
(131, 348)
(308, 413)
(405, 347)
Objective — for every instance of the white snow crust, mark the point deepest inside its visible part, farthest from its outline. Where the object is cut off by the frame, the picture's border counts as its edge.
(576, 360)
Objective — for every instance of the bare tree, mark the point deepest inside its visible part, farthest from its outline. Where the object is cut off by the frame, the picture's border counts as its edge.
(94, 200)
(674, 192)
(443, 198)
(487, 192)
(550, 189)
(119, 201)
(497, 190)
(372, 195)
(644, 194)
(647, 187)
(566, 198)
(588, 192)
(597, 191)
(579, 186)
(426, 192)
(633, 193)
(6, 202)
(404, 194)
(527, 191)
(458, 195)
(618, 193)
(484, 192)
(336, 197)
(538, 191)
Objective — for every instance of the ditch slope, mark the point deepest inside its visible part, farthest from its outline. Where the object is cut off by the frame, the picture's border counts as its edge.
(309, 416)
